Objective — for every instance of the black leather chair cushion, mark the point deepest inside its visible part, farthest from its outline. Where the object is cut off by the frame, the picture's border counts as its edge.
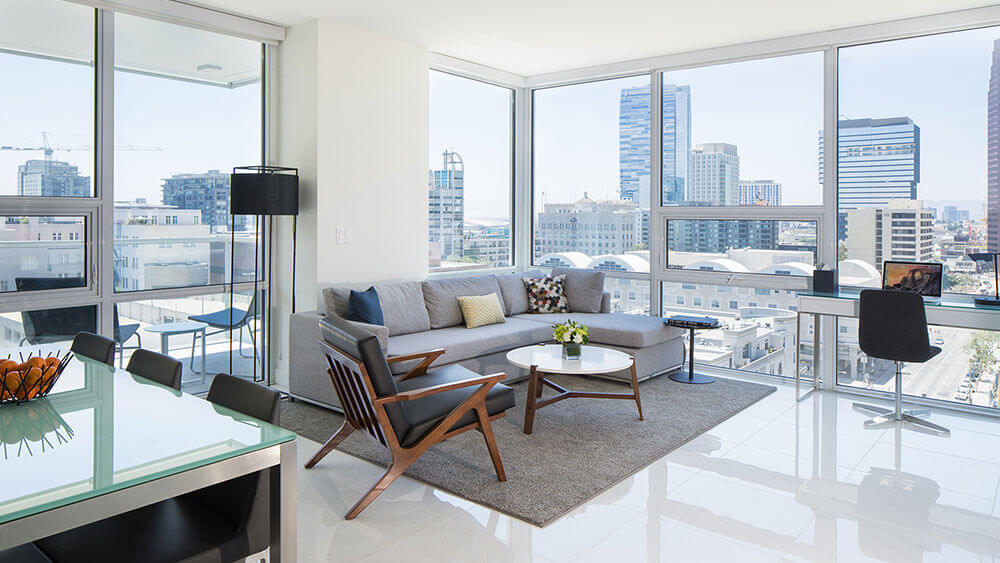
(364, 346)
(156, 367)
(26, 553)
(424, 414)
(892, 325)
(172, 530)
(94, 347)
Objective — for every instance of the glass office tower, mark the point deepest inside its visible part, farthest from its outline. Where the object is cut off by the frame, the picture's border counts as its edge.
(633, 137)
(879, 160)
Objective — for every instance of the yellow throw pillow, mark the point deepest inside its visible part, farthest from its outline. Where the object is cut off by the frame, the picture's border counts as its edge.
(480, 310)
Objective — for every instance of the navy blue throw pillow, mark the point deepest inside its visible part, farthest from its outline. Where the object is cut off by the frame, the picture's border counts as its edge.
(364, 307)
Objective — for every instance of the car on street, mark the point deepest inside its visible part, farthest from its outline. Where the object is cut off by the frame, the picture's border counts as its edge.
(961, 395)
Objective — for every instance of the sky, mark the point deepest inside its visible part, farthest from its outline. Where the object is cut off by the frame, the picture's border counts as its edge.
(771, 109)
(195, 127)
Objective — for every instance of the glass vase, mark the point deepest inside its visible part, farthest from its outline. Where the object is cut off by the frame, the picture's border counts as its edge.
(571, 350)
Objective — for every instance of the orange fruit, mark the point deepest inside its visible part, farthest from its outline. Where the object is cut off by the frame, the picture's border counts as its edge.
(48, 375)
(36, 362)
(51, 362)
(7, 365)
(32, 382)
(11, 383)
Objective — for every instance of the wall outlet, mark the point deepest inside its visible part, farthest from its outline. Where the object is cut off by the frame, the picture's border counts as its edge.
(343, 235)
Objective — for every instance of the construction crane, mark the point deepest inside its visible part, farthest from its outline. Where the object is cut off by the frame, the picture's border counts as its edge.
(47, 148)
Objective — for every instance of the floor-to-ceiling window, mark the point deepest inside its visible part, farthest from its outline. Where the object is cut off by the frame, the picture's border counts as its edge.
(187, 107)
(591, 183)
(470, 174)
(740, 194)
(919, 180)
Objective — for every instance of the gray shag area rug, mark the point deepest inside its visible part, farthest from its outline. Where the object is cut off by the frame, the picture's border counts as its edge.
(578, 448)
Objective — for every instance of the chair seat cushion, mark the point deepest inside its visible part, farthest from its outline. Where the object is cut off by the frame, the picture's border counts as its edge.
(614, 329)
(171, 530)
(462, 343)
(221, 319)
(424, 414)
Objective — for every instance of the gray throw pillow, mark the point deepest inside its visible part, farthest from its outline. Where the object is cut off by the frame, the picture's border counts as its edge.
(584, 288)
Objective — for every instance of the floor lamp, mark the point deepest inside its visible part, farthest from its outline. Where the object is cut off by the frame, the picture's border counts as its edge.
(263, 191)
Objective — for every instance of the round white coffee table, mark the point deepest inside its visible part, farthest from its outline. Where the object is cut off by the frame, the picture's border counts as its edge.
(547, 358)
(196, 328)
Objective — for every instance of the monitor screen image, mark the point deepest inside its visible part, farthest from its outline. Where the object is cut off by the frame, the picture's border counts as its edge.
(916, 277)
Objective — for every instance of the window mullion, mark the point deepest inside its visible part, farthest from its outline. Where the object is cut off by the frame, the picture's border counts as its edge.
(101, 258)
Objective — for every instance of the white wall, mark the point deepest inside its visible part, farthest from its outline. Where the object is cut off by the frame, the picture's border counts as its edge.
(372, 152)
(353, 117)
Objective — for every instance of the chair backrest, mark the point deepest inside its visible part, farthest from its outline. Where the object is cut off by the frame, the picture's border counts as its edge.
(892, 325)
(243, 500)
(358, 369)
(156, 367)
(245, 397)
(52, 325)
(94, 347)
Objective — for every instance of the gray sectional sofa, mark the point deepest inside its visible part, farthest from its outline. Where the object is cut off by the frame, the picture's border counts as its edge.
(421, 316)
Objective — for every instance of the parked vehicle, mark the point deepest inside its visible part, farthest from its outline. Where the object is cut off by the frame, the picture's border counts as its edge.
(961, 395)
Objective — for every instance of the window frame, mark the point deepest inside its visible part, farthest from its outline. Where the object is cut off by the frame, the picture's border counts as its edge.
(492, 77)
(98, 210)
(827, 42)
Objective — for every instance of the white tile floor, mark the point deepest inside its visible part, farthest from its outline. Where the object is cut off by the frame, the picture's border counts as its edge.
(781, 481)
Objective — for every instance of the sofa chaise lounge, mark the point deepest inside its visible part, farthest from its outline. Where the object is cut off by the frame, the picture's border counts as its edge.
(423, 316)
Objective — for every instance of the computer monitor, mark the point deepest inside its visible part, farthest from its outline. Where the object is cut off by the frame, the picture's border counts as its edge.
(915, 277)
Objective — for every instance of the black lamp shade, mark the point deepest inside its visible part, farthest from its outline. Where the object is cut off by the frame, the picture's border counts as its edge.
(264, 193)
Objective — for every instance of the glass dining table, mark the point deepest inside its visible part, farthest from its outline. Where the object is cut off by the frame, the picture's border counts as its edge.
(104, 442)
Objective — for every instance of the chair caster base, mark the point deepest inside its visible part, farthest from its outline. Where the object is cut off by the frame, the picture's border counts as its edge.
(911, 418)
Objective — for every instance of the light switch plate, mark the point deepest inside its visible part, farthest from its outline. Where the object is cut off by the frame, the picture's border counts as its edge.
(343, 235)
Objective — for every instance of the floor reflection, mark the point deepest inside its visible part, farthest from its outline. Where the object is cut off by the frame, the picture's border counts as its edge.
(785, 480)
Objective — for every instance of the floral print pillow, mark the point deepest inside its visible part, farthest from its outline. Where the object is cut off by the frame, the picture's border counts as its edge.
(546, 295)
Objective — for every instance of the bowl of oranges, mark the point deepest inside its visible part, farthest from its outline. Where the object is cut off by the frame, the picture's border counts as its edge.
(32, 377)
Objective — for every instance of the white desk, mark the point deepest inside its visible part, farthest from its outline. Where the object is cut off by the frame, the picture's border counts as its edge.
(957, 311)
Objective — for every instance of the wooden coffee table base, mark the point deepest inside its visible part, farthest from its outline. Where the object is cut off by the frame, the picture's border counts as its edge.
(536, 382)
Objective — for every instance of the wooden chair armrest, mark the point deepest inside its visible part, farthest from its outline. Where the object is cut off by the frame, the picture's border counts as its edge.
(412, 394)
(421, 368)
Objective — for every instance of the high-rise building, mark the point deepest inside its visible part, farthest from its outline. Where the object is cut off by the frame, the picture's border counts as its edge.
(993, 154)
(902, 230)
(686, 235)
(713, 174)
(587, 226)
(207, 192)
(634, 145)
(759, 192)
(51, 178)
(446, 204)
(878, 161)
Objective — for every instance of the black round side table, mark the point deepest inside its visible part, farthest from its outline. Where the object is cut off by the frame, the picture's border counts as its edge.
(691, 323)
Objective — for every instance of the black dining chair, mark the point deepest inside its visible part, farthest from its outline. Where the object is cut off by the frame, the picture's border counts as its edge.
(892, 325)
(231, 319)
(94, 347)
(156, 367)
(225, 522)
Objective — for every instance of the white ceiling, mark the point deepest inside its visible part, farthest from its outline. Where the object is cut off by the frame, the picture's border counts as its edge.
(530, 37)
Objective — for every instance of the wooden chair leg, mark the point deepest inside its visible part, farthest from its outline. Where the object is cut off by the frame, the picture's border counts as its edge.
(391, 474)
(487, 429)
(345, 430)
(635, 390)
(529, 407)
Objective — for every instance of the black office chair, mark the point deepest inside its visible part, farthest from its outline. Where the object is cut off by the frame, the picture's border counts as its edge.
(156, 367)
(94, 347)
(225, 522)
(893, 326)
